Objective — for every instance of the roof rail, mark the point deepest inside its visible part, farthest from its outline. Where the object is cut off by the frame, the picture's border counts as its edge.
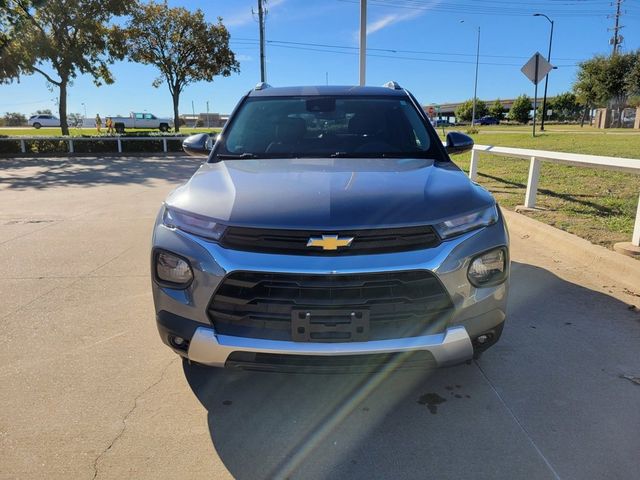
(261, 86)
(393, 85)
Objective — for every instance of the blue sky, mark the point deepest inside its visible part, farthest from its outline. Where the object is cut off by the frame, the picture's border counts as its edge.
(399, 33)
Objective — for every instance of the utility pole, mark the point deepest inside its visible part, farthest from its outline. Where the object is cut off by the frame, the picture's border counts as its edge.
(363, 42)
(207, 113)
(261, 14)
(617, 38)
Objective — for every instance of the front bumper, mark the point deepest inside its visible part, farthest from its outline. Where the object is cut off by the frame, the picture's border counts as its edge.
(447, 348)
(475, 310)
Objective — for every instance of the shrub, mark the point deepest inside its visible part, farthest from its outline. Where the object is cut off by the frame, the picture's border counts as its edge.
(465, 110)
(520, 110)
(96, 144)
(497, 110)
(14, 119)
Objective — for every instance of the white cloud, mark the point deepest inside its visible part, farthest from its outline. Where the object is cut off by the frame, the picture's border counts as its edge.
(244, 58)
(391, 19)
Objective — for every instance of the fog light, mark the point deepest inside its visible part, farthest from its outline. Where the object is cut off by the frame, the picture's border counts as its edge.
(490, 268)
(173, 269)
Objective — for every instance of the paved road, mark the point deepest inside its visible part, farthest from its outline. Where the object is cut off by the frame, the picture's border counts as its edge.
(89, 391)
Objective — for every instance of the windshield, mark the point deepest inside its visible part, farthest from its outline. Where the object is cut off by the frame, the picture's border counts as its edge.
(327, 127)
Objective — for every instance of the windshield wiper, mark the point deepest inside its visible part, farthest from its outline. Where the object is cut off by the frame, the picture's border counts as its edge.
(232, 156)
(345, 155)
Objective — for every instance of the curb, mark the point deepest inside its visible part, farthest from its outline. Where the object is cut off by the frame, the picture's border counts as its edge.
(619, 268)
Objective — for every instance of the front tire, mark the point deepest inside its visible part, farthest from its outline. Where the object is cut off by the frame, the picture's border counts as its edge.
(164, 127)
(36, 125)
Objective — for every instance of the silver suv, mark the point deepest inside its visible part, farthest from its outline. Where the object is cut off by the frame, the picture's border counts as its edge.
(329, 229)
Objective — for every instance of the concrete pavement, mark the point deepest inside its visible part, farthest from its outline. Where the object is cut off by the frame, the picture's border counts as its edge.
(89, 391)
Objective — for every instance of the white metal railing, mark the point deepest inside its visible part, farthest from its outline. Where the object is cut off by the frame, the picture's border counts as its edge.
(71, 140)
(536, 157)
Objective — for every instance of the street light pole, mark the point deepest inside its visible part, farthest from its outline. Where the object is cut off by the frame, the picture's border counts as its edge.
(475, 85)
(546, 78)
(263, 73)
(363, 42)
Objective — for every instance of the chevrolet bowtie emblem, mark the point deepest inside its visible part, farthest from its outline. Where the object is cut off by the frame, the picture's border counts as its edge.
(330, 242)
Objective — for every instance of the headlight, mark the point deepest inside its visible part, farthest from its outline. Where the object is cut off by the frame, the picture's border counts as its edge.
(465, 223)
(487, 269)
(192, 223)
(173, 269)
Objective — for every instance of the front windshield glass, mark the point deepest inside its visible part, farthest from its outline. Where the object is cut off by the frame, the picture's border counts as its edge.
(327, 127)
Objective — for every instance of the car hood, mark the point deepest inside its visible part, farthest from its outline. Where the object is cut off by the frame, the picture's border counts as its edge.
(328, 194)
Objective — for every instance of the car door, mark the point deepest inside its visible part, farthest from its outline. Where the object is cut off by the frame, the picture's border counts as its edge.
(150, 121)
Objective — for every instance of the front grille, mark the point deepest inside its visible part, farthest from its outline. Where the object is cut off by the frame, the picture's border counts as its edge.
(420, 359)
(294, 242)
(399, 304)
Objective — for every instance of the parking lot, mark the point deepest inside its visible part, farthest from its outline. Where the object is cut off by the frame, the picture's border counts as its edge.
(89, 391)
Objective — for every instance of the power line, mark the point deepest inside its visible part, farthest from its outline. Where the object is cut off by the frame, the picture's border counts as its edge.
(399, 57)
(483, 9)
(340, 48)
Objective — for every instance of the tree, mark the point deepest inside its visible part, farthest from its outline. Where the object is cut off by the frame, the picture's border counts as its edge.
(181, 44)
(46, 111)
(11, 24)
(564, 107)
(59, 39)
(608, 81)
(585, 86)
(520, 109)
(465, 110)
(14, 119)
(75, 119)
(633, 77)
(497, 110)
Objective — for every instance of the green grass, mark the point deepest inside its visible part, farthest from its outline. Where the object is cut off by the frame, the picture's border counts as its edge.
(76, 132)
(596, 204)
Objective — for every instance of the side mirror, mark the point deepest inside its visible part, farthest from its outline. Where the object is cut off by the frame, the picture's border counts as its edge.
(198, 145)
(458, 142)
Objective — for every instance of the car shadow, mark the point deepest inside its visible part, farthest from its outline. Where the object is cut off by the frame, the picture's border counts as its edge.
(456, 422)
(48, 172)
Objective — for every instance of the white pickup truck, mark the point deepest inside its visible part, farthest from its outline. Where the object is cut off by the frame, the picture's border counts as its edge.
(134, 120)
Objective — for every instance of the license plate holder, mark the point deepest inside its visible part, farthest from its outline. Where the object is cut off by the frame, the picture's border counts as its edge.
(308, 325)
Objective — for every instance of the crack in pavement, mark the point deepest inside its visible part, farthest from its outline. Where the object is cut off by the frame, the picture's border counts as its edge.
(127, 415)
(515, 419)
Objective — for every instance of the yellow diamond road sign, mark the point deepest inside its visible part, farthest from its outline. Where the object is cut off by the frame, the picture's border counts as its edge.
(536, 74)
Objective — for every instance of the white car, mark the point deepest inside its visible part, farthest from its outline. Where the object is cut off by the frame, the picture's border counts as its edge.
(44, 120)
(141, 120)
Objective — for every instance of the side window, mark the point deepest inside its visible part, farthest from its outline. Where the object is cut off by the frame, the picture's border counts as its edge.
(148, 116)
(139, 116)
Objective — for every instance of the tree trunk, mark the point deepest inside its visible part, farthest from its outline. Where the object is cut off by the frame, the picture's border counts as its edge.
(584, 115)
(62, 107)
(176, 114)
